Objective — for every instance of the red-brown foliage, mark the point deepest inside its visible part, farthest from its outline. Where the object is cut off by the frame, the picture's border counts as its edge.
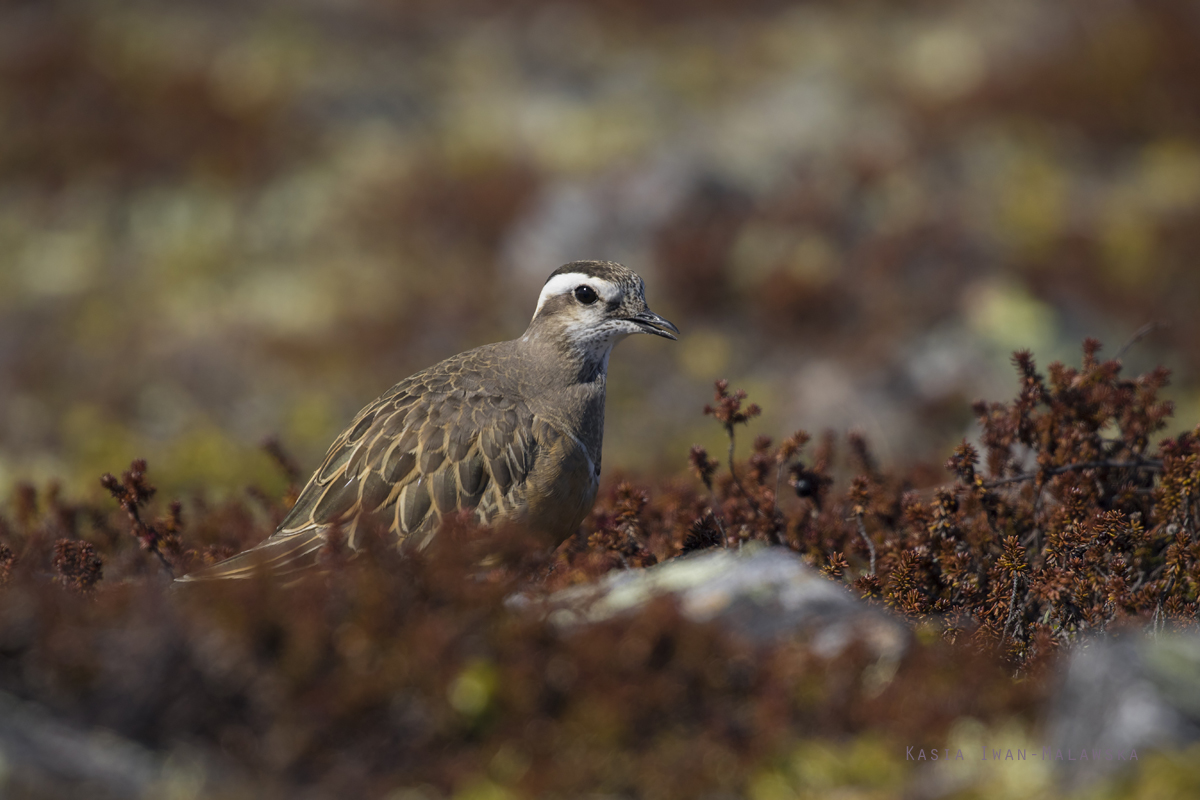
(389, 670)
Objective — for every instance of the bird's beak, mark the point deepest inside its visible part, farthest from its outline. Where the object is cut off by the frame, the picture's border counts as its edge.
(650, 322)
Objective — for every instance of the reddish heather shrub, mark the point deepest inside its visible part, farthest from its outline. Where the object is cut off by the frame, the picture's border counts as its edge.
(384, 670)
(77, 564)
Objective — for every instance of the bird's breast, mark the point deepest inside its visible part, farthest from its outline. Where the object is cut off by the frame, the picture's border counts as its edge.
(561, 487)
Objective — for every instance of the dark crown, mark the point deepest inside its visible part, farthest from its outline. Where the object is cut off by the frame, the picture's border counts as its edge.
(604, 270)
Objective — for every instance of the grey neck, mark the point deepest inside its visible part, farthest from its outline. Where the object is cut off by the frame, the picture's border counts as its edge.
(564, 385)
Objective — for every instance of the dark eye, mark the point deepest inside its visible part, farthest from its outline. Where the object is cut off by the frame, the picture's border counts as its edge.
(585, 294)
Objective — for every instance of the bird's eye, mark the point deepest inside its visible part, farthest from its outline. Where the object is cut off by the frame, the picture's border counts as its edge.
(585, 294)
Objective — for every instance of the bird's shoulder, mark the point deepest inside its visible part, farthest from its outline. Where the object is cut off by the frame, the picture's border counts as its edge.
(438, 415)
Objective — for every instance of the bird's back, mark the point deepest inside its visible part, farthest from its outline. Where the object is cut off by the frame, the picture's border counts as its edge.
(458, 436)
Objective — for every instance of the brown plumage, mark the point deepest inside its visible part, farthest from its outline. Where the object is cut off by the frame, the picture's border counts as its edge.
(511, 430)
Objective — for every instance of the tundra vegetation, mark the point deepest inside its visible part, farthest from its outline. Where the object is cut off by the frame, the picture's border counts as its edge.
(386, 670)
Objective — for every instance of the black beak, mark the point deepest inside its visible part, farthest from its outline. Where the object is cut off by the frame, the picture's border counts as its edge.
(653, 323)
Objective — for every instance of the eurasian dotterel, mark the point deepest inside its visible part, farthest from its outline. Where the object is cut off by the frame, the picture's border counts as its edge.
(510, 431)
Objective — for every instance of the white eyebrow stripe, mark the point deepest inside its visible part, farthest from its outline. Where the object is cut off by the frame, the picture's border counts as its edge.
(566, 282)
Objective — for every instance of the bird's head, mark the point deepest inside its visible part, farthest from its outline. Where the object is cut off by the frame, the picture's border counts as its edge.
(591, 305)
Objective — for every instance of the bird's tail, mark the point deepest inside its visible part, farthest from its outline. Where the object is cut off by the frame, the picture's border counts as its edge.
(282, 555)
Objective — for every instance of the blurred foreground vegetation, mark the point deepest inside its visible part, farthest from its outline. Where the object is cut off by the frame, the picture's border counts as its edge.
(221, 222)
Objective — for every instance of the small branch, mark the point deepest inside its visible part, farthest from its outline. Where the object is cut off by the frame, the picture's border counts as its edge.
(130, 493)
(862, 531)
(778, 515)
(705, 467)
(736, 480)
(1030, 537)
(729, 412)
(738, 483)
(1137, 336)
(163, 560)
(1012, 606)
(1154, 465)
(778, 481)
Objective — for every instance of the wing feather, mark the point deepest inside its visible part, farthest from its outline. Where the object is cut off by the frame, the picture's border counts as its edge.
(426, 448)
(415, 502)
(397, 464)
(444, 491)
(363, 424)
(334, 462)
(336, 503)
(374, 492)
(471, 477)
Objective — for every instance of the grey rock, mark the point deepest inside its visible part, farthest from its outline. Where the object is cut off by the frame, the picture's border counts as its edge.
(43, 756)
(1135, 693)
(759, 592)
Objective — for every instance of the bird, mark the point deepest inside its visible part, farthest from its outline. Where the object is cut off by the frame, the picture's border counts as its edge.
(510, 431)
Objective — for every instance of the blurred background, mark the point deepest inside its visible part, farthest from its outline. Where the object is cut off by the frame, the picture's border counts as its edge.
(221, 221)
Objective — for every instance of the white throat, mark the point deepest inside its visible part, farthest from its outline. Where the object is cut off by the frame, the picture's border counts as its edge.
(593, 346)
